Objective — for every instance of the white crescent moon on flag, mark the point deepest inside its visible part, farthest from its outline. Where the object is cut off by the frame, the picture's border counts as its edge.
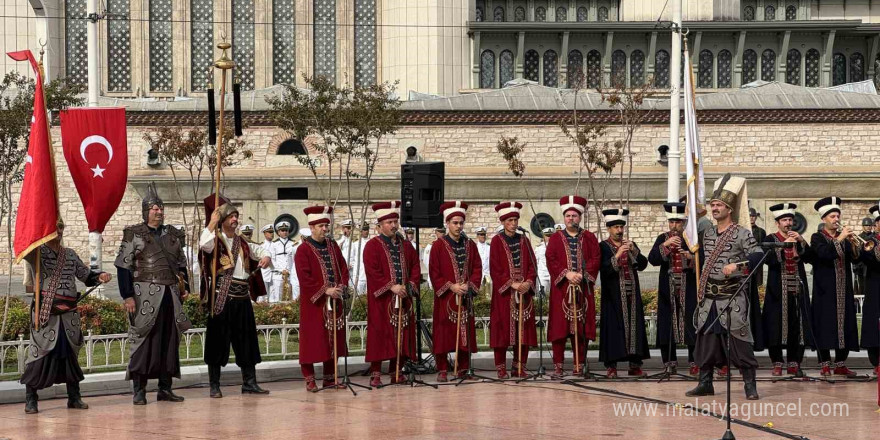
(95, 139)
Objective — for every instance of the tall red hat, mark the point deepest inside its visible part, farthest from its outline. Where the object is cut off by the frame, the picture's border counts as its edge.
(386, 210)
(454, 209)
(577, 203)
(318, 214)
(508, 210)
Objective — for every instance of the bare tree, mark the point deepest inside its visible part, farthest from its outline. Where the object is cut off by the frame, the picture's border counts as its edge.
(511, 149)
(16, 109)
(348, 124)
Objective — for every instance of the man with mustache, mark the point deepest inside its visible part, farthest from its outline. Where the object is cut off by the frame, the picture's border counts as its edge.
(57, 336)
(622, 315)
(834, 310)
(393, 275)
(728, 254)
(786, 304)
(512, 317)
(323, 278)
(150, 266)
(456, 274)
(231, 320)
(676, 291)
(573, 263)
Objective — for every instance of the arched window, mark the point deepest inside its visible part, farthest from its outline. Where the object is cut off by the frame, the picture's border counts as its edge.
(291, 147)
(750, 66)
(201, 43)
(551, 78)
(118, 49)
(582, 14)
(284, 42)
(769, 13)
(561, 14)
(506, 65)
(161, 46)
(324, 38)
(661, 69)
(723, 74)
(748, 13)
(519, 14)
(364, 43)
(856, 67)
(768, 65)
(478, 13)
(530, 66)
(793, 67)
(618, 69)
(498, 14)
(637, 68)
(576, 78)
(838, 69)
(791, 13)
(540, 14)
(487, 69)
(602, 14)
(594, 69)
(812, 68)
(704, 78)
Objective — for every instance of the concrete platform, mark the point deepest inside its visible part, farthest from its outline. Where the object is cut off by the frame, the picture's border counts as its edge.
(532, 410)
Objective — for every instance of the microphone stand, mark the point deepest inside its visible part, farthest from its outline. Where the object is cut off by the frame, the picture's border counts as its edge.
(728, 434)
(470, 371)
(541, 373)
(411, 365)
(346, 379)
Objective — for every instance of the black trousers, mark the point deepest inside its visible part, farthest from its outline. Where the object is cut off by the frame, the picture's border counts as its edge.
(670, 355)
(59, 366)
(795, 353)
(874, 356)
(159, 357)
(710, 352)
(634, 361)
(840, 355)
(234, 326)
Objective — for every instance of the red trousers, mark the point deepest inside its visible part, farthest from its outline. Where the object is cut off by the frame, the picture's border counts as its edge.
(559, 350)
(392, 365)
(443, 361)
(308, 370)
(501, 355)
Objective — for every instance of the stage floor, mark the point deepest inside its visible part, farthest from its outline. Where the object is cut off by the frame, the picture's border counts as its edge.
(497, 411)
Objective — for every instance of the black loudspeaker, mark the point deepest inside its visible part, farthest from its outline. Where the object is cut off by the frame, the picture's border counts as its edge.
(421, 194)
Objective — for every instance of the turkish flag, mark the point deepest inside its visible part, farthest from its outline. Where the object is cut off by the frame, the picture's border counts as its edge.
(36, 220)
(96, 150)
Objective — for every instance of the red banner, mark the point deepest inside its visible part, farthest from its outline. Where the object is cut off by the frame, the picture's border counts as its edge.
(96, 150)
(36, 220)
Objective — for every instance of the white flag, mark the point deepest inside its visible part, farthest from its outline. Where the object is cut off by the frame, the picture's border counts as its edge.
(696, 191)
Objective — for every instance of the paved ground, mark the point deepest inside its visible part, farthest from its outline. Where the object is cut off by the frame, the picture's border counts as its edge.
(473, 411)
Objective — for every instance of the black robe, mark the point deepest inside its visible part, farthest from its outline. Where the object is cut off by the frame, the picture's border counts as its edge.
(871, 307)
(664, 303)
(825, 302)
(773, 304)
(612, 333)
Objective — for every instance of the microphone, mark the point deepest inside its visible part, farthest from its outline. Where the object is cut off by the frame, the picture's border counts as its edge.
(777, 244)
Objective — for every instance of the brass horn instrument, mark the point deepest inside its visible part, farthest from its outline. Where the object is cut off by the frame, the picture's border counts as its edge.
(858, 242)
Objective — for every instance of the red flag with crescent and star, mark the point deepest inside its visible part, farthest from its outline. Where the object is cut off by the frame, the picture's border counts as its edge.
(36, 220)
(96, 150)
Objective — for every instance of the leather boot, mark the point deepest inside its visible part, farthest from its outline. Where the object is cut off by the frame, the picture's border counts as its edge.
(705, 387)
(751, 384)
(249, 381)
(31, 398)
(165, 393)
(74, 399)
(214, 381)
(139, 385)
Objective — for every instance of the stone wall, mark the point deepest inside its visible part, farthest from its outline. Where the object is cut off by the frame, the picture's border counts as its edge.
(796, 160)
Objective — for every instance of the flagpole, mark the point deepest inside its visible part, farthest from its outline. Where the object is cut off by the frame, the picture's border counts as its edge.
(674, 153)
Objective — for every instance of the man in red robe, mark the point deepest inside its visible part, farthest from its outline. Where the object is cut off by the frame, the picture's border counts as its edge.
(393, 277)
(456, 273)
(513, 272)
(323, 277)
(573, 263)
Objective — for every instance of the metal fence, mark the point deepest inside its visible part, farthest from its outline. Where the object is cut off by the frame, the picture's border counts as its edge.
(110, 352)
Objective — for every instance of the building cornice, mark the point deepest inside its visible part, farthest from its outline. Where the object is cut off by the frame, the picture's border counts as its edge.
(693, 26)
